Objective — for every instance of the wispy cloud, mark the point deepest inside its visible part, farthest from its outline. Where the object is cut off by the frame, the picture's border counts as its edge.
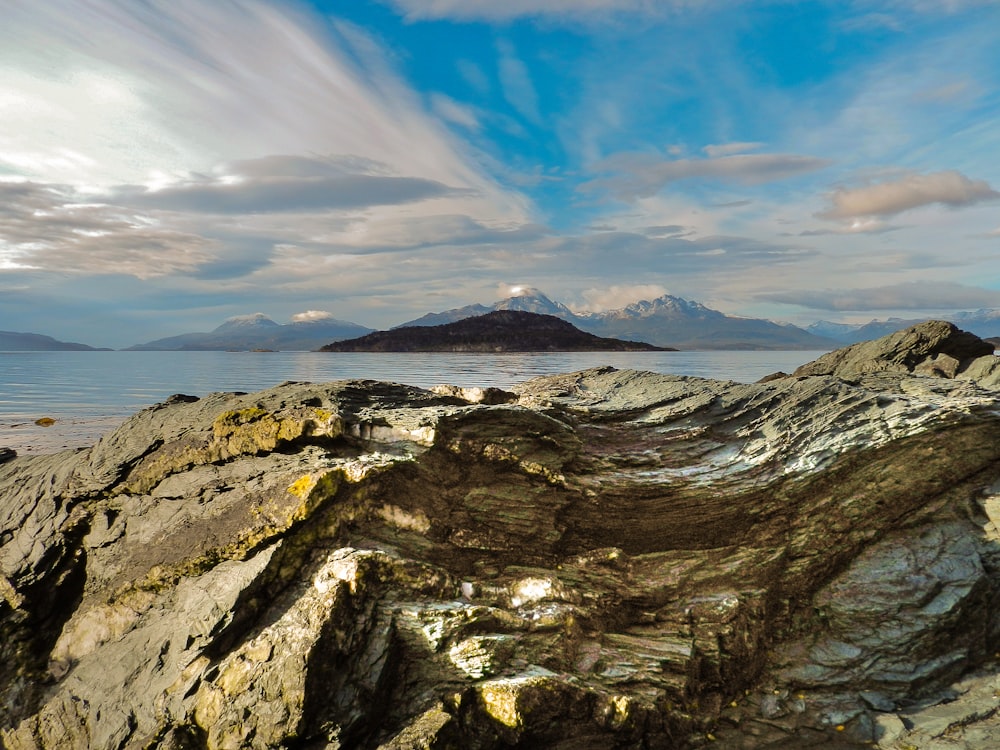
(489, 10)
(452, 111)
(948, 188)
(714, 150)
(641, 175)
(919, 295)
(515, 80)
(148, 93)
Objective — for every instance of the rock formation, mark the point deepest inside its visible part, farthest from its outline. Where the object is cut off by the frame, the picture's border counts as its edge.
(603, 559)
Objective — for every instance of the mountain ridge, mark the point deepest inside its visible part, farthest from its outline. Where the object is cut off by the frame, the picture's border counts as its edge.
(664, 321)
(257, 331)
(496, 331)
(14, 341)
(984, 322)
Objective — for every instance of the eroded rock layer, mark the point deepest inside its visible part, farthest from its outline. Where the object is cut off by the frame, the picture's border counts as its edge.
(604, 559)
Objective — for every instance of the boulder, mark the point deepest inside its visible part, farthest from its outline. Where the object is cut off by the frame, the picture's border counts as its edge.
(607, 558)
(934, 347)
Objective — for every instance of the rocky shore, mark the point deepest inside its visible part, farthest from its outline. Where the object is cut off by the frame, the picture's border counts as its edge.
(603, 559)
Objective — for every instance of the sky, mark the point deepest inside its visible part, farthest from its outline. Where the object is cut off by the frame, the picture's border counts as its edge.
(167, 164)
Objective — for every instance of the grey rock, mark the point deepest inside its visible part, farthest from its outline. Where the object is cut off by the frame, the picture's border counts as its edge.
(601, 559)
(935, 347)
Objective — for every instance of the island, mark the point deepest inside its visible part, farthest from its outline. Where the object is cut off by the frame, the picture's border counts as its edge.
(498, 331)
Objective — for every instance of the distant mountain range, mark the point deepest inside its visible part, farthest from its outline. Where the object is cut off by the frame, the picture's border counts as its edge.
(495, 331)
(11, 341)
(983, 323)
(665, 321)
(258, 331)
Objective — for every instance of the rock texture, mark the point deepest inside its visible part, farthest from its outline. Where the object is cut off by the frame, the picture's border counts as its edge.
(604, 559)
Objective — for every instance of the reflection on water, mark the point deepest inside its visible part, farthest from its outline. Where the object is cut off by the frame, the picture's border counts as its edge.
(89, 393)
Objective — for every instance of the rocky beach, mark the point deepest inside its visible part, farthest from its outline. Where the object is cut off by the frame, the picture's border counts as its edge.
(601, 559)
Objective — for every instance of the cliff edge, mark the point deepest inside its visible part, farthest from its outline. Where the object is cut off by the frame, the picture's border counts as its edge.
(603, 559)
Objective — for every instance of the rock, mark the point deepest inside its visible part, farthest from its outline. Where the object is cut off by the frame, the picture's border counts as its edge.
(489, 396)
(6, 454)
(601, 559)
(932, 348)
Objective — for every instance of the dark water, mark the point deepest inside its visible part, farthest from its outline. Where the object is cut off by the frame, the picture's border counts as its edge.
(90, 393)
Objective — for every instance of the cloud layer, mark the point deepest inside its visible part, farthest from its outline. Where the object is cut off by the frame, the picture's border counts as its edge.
(949, 188)
(276, 184)
(920, 295)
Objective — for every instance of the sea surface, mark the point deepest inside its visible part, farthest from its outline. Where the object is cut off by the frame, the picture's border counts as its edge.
(91, 393)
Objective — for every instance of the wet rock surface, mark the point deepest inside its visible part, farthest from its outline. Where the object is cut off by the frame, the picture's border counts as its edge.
(603, 559)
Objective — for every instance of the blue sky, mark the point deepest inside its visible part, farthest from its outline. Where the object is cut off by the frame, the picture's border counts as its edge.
(166, 165)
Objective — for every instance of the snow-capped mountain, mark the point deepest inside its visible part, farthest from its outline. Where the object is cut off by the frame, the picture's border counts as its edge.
(664, 321)
(685, 324)
(985, 323)
(532, 300)
(526, 299)
(245, 323)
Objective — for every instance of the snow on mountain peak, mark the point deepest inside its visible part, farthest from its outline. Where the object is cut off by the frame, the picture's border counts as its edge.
(246, 321)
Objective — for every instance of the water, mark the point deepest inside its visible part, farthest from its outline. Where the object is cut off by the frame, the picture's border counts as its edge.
(90, 393)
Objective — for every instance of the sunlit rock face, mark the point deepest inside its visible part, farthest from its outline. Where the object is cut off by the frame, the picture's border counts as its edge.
(603, 559)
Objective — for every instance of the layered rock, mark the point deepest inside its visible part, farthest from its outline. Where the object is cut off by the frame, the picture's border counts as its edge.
(601, 559)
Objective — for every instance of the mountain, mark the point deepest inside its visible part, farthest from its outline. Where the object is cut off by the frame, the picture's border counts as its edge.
(984, 323)
(307, 332)
(245, 323)
(672, 321)
(665, 321)
(526, 299)
(448, 316)
(497, 331)
(11, 341)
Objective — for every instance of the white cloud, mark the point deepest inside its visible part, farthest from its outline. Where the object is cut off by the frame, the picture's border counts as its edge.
(643, 175)
(311, 315)
(618, 296)
(949, 188)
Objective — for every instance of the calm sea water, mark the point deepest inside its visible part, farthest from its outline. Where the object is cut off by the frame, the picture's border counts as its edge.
(90, 393)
